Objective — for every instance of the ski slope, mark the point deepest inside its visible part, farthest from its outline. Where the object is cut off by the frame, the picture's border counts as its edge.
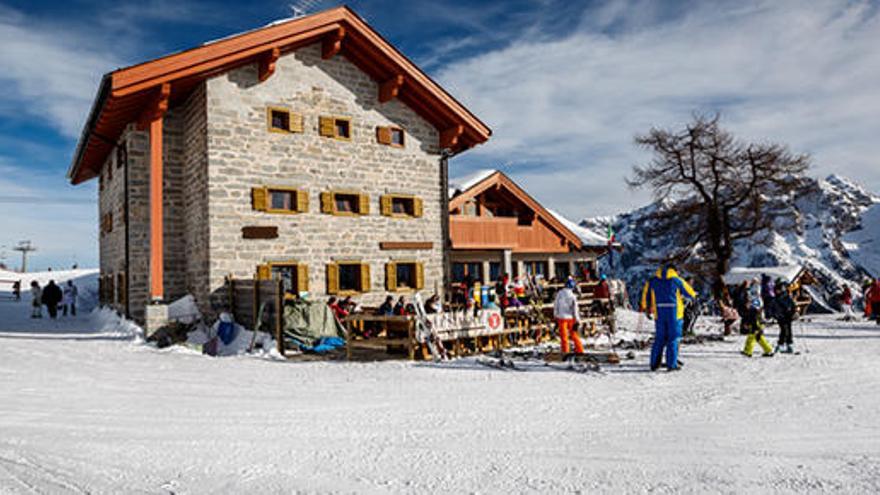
(86, 409)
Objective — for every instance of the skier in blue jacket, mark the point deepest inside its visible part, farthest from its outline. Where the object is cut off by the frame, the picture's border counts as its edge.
(663, 299)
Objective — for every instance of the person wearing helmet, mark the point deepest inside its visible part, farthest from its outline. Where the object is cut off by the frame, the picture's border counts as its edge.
(753, 322)
(565, 311)
(663, 299)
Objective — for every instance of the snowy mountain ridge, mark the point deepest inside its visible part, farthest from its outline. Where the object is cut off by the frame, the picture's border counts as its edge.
(836, 235)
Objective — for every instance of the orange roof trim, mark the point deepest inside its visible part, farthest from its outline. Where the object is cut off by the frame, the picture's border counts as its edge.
(124, 94)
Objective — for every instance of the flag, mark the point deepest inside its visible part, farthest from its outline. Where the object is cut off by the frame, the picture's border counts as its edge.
(610, 243)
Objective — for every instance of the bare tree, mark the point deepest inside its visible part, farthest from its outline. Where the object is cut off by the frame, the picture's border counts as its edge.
(720, 190)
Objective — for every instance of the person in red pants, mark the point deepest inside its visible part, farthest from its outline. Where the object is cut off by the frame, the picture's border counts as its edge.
(565, 311)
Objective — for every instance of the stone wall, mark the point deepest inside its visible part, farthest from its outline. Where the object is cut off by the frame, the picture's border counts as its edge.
(184, 202)
(243, 154)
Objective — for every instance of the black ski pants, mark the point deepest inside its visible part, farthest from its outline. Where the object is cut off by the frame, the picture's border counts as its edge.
(785, 332)
(53, 310)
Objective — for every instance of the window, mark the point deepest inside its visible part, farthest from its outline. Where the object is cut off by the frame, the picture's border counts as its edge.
(294, 276)
(391, 136)
(345, 203)
(279, 199)
(398, 205)
(494, 271)
(561, 270)
(348, 277)
(404, 275)
(535, 267)
(335, 127)
(283, 120)
(472, 269)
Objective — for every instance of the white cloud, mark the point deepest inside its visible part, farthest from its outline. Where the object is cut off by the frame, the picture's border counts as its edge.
(564, 111)
(48, 73)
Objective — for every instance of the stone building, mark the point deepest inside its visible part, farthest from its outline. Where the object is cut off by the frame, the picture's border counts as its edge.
(309, 150)
(497, 228)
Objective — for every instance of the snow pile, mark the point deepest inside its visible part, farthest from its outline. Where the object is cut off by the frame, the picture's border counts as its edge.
(105, 321)
(242, 340)
(184, 310)
(836, 237)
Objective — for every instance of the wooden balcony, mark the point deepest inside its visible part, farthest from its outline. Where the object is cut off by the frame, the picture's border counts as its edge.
(503, 233)
(483, 232)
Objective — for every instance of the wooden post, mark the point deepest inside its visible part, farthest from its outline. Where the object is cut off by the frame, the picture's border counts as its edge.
(348, 331)
(410, 348)
(231, 294)
(152, 119)
(255, 304)
(279, 321)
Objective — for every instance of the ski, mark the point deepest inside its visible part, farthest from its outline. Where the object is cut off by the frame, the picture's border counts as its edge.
(503, 364)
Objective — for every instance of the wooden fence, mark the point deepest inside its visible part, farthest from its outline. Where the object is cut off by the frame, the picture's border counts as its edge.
(246, 297)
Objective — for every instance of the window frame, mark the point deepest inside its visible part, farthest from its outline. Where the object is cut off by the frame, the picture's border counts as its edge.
(386, 203)
(392, 276)
(363, 205)
(294, 120)
(300, 203)
(362, 267)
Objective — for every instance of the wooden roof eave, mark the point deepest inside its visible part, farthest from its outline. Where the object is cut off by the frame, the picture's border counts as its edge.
(365, 45)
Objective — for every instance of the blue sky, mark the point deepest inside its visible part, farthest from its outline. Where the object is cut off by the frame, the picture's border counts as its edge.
(565, 85)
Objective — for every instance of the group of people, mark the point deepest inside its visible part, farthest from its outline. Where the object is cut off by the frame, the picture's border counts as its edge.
(666, 295)
(54, 298)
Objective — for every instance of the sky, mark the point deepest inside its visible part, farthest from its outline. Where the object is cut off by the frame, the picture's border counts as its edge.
(564, 85)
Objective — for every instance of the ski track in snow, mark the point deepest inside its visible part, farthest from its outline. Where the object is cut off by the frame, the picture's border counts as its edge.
(85, 412)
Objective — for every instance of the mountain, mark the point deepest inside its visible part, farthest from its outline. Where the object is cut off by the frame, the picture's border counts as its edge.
(836, 234)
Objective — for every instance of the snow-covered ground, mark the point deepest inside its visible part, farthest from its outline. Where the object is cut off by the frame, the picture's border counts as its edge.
(87, 409)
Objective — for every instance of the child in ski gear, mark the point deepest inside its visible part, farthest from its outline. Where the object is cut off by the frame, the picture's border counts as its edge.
(786, 310)
(728, 315)
(753, 322)
(846, 304)
(387, 307)
(663, 299)
(565, 311)
(68, 298)
(51, 297)
(16, 290)
(36, 300)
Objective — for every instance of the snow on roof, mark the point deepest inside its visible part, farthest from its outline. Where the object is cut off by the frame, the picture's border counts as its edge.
(587, 236)
(738, 274)
(460, 184)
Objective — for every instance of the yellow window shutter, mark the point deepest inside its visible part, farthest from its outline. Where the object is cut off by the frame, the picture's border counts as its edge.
(302, 277)
(264, 272)
(296, 122)
(418, 207)
(260, 197)
(391, 276)
(364, 206)
(326, 202)
(383, 135)
(385, 205)
(420, 276)
(302, 201)
(332, 278)
(327, 126)
(365, 277)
